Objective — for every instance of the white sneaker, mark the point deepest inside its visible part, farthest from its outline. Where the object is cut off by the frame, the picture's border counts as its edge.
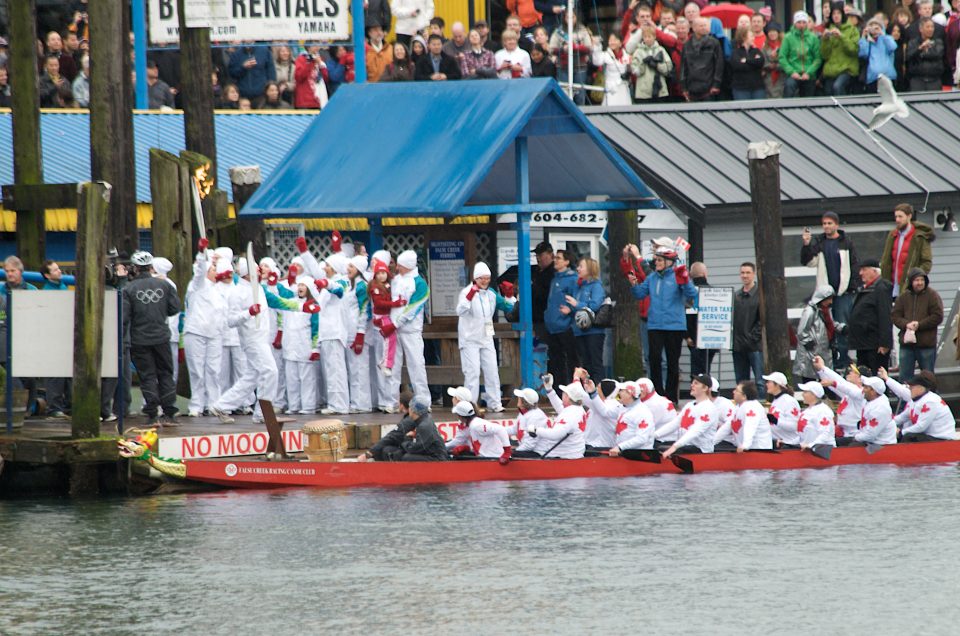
(221, 415)
(497, 409)
(329, 411)
(361, 410)
(193, 413)
(303, 412)
(389, 409)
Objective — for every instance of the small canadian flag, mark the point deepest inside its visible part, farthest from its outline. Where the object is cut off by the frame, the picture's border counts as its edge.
(682, 244)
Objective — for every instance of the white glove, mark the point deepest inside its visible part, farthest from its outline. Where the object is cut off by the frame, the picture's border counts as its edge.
(547, 379)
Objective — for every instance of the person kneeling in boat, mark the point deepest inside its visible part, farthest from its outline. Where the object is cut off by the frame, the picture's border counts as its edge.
(748, 425)
(635, 424)
(390, 446)
(784, 411)
(697, 420)
(530, 418)
(927, 418)
(816, 424)
(565, 434)
(876, 421)
(850, 409)
(479, 437)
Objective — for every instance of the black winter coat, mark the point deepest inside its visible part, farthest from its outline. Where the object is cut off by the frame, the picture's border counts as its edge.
(746, 68)
(747, 330)
(424, 68)
(701, 65)
(147, 303)
(428, 440)
(869, 326)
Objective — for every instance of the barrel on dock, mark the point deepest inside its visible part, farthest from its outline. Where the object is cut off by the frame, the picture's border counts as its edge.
(324, 440)
(19, 409)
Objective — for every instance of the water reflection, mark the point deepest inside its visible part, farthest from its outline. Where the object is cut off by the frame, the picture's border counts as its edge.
(840, 550)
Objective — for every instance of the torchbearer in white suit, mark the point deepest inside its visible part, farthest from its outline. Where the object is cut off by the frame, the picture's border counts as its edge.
(232, 359)
(203, 327)
(477, 306)
(333, 333)
(357, 315)
(408, 320)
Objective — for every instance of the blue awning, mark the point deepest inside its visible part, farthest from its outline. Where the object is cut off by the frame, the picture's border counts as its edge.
(446, 148)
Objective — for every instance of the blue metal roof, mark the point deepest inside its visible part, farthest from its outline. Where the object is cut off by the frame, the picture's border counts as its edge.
(437, 148)
(242, 140)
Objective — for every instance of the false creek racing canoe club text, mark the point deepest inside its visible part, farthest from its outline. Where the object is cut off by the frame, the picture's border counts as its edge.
(233, 470)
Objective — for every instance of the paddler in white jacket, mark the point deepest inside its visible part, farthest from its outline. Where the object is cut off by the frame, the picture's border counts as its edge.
(635, 424)
(850, 390)
(530, 417)
(479, 436)
(697, 422)
(876, 421)
(816, 422)
(564, 435)
(748, 426)
(203, 327)
(477, 306)
(662, 409)
(927, 417)
(603, 412)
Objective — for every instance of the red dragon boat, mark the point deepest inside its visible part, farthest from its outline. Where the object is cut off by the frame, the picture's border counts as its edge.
(351, 474)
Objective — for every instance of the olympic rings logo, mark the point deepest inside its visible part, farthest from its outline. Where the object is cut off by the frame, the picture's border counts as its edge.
(148, 296)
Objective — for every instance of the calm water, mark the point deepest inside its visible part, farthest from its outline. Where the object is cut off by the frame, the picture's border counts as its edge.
(846, 550)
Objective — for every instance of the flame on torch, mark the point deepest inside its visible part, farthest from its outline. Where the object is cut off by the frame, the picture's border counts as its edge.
(203, 180)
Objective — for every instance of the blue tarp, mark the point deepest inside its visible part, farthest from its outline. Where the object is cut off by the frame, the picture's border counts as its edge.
(437, 148)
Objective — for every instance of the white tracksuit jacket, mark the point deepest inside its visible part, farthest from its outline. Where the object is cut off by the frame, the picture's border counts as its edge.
(663, 412)
(602, 416)
(526, 421)
(876, 423)
(928, 414)
(851, 403)
(635, 427)
(697, 423)
(786, 410)
(725, 408)
(748, 427)
(816, 424)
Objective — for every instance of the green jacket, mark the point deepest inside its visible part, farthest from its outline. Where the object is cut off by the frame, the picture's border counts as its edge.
(841, 53)
(919, 254)
(800, 53)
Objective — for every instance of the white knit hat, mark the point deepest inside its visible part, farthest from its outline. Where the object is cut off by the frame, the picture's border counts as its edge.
(338, 262)
(407, 259)
(162, 265)
(360, 262)
(224, 253)
(383, 256)
(481, 269)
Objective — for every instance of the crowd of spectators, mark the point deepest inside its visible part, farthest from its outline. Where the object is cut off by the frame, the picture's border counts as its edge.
(664, 51)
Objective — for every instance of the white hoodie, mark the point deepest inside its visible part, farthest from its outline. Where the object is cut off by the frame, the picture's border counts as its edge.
(851, 405)
(816, 424)
(786, 410)
(876, 423)
(748, 427)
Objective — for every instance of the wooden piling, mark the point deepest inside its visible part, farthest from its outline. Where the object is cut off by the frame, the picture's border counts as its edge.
(111, 118)
(627, 350)
(172, 216)
(244, 180)
(196, 98)
(764, 159)
(92, 211)
(25, 103)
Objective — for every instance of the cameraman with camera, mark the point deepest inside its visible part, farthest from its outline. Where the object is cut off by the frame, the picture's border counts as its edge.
(116, 276)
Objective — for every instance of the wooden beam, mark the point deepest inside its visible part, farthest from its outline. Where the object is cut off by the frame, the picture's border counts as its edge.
(172, 219)
(111, 119)
(27, 151)
(92, 214)
(244, 180)
(764, 159)
(26, 197)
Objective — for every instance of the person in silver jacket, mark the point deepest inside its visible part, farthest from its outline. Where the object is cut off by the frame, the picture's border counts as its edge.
(814, 332)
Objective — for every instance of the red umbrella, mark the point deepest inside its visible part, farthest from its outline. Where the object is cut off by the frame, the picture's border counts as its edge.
(727, 12)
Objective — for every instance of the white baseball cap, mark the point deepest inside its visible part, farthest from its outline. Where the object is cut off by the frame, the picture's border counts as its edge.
(574, 391)
(632, 387)
(875, 383)
(462, 393)
(646, 384)
(813, 387)
(777, 378)
(527, 395)
(464, 409)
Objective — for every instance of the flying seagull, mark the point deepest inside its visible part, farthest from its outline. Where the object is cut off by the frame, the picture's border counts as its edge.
(890, 104)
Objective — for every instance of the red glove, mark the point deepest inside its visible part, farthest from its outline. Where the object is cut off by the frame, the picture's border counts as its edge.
(473, 292)
(357, 345)
(292, 275)
(273, 278)
(181, 356)
(507, 454)
(314, 356)
(681, 274)
(278, 341)
(203, 244)
(321, 284)
(507, 290)
(459, 450)
(222, 276)
(254, 310)
(301, 244)
(336, 240)
(388, 330)
(311, 307)
(399, 302)
(378, 322)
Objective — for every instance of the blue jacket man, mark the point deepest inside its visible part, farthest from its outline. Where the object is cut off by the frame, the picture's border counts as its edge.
(558, 319)
(668, 288)
(252, 67)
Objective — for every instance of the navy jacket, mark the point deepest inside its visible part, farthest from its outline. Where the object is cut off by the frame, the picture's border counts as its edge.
(667, 300)
(563, 284)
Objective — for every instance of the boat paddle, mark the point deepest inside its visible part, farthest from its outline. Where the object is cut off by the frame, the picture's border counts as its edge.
(562, 440)
(642, 455)
(873, 448)
(822, 451)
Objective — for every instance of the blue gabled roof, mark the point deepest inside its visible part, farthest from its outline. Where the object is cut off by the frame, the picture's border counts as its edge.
(436, 148)
(242, 140)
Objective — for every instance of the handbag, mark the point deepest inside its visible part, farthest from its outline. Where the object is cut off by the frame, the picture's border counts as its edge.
(603, 317)
(909, 337)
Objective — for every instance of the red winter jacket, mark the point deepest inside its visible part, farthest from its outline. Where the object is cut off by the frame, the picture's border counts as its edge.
(305, 75)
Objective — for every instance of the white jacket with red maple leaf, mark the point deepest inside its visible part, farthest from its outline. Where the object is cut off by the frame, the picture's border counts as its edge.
(725, 409)
(876, 423)
(488, 438)
(748, 426)
(602, 421)
(635, 427)
(527, 421)
(786, 410)
(815, 425)
(697, 423)
(567, 429)
(851, 404)
(663, 412)
(928, 415)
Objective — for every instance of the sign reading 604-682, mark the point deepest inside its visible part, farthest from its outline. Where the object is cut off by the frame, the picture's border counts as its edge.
(252, 20)
(579, 219)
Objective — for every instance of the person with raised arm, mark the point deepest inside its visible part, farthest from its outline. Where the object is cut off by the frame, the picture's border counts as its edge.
(876, 422)
(697, 421)
(603, 411)
(565, 432)
(852, 401)
(927, 416)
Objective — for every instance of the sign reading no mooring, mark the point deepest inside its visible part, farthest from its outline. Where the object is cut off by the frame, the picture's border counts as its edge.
(715, 318)
(252, 20)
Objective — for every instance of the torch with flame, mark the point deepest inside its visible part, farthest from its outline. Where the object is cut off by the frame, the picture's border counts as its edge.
(202, 183)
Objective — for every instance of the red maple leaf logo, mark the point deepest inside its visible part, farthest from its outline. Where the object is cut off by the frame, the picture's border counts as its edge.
(549, 423)
(687, 419)
(838, 431)
(795, 412)
(774, 412)
(671, 407)
(750, 413)
(801, 424)
(925, 409)
(842, 406)
(826, 422)
(914, 416)
(705, 418)
(476, 447)
(863, 422)
(736, 424)
(583, 423)
(642, 424)
(873, 422)
(621, 426)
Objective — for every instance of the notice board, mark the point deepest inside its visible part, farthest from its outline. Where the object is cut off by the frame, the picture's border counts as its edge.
(448, 275)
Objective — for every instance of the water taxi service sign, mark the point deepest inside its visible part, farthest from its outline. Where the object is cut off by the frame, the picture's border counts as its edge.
(715, 318)
(252, 20)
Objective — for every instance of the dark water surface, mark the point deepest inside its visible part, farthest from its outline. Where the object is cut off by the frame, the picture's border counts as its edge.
(845, 550)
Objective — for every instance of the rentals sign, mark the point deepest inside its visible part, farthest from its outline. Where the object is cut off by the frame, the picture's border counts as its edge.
(252, 20)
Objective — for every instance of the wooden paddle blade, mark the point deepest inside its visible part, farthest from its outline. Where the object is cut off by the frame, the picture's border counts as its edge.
(873, 448)
(642, 455)
(822, 451)
(682, 463)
